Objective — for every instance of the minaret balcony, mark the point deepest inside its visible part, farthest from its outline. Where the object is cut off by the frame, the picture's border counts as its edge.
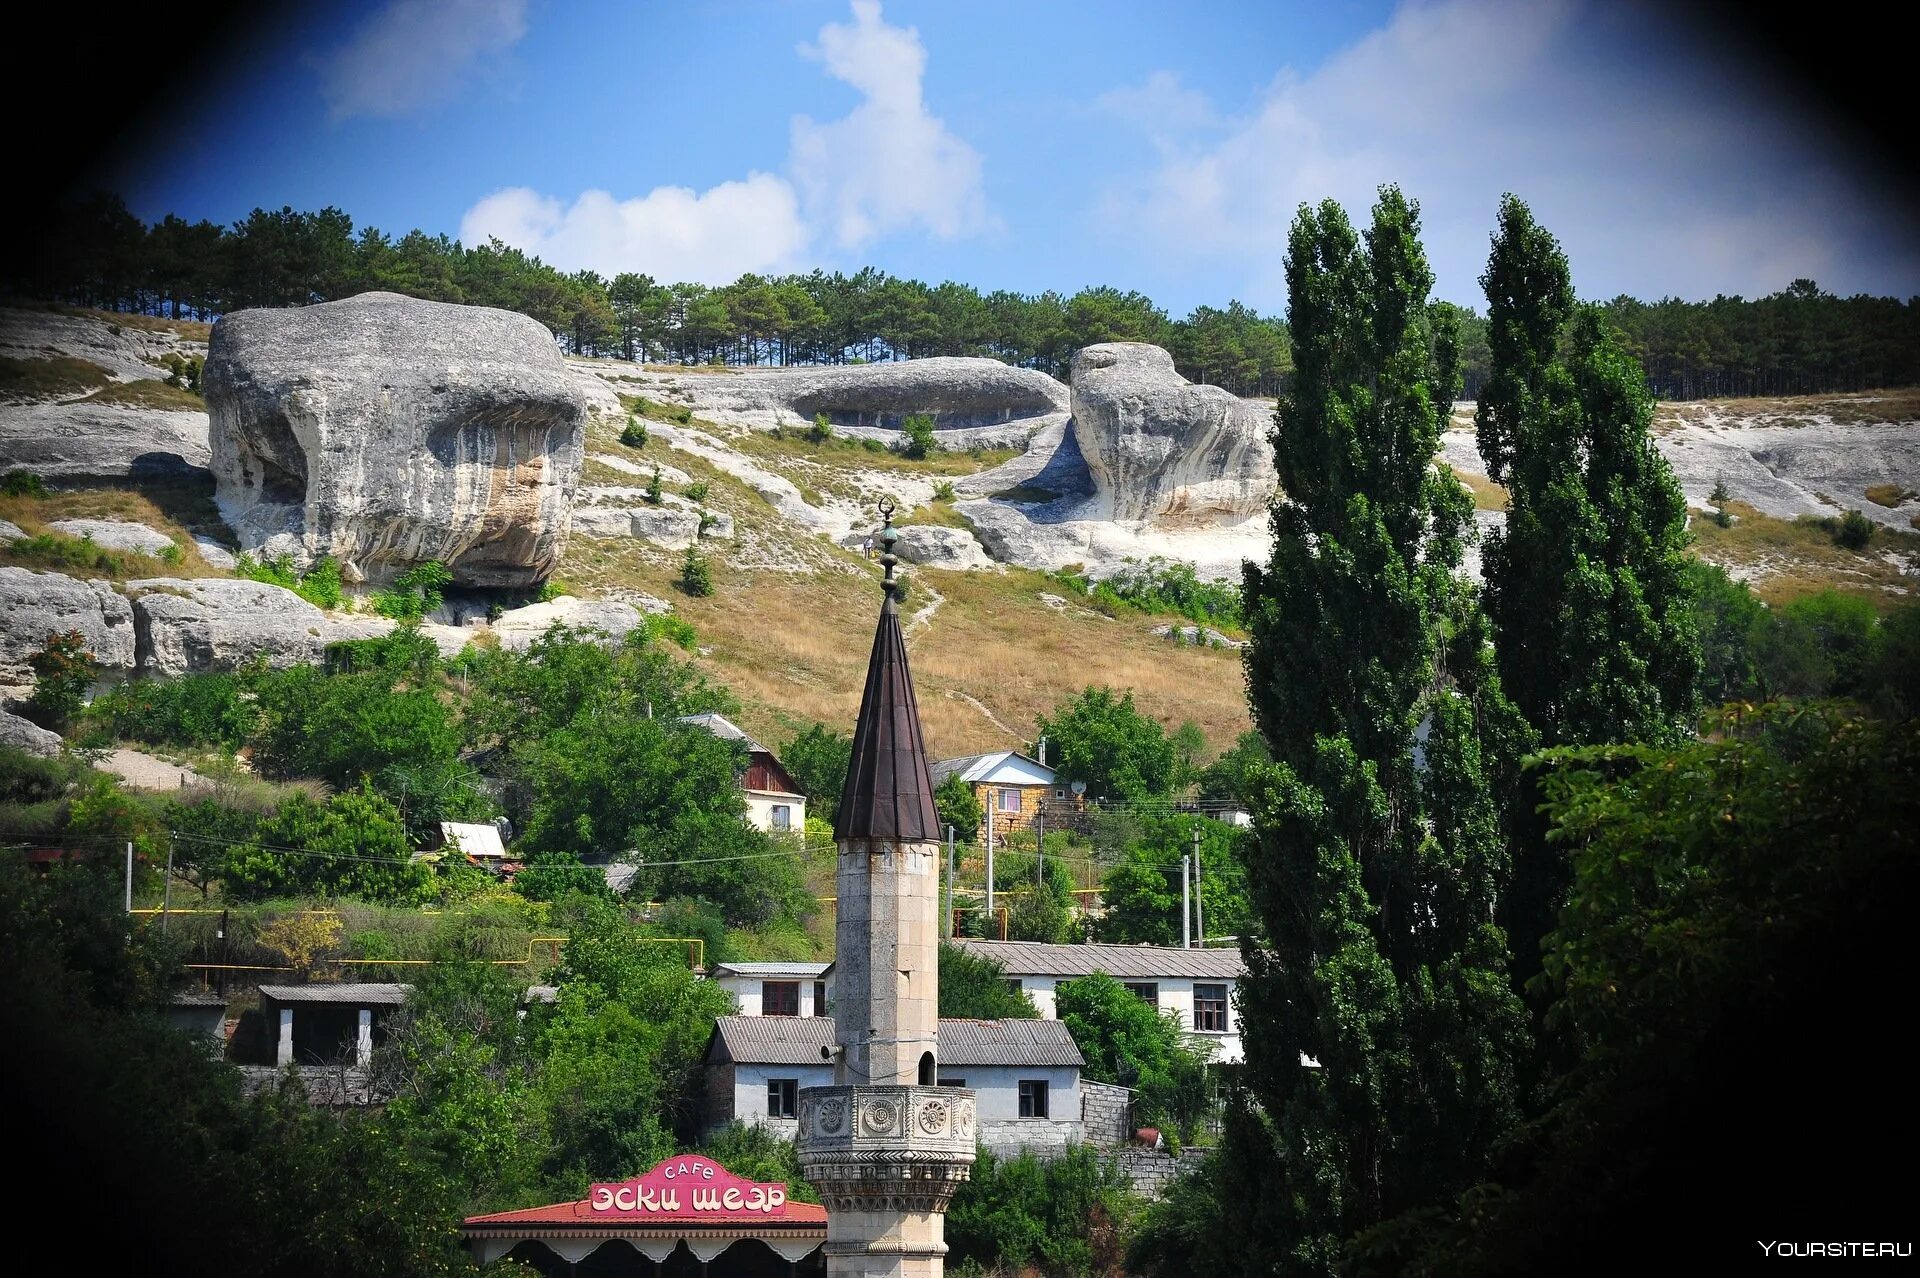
(887, 1148)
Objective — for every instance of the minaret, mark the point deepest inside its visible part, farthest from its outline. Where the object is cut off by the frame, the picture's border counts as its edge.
(885, 1147)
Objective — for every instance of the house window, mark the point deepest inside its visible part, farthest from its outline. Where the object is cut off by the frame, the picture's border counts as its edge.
(1059, 794)
(782, 817)
(1013, 983)
(1033, 1098)
(782, 1096)
(820, 998)
(780, 998)
(1147, 992)
(1210, 1009)
(1009, 800)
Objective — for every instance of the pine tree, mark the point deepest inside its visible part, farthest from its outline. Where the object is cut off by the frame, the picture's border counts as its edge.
(1585, 584)
(1379, 852)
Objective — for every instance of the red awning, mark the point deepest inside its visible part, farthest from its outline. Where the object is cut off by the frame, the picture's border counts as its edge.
(576, 1214)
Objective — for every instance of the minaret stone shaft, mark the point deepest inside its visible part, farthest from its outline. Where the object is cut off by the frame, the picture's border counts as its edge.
(885, 1146)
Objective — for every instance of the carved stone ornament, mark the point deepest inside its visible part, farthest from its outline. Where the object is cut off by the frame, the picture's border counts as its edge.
(933, 1117)
(879, 1117)
(833, 1116)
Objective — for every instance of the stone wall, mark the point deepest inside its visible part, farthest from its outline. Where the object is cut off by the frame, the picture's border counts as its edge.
(1106, 1113)
(1152, 1170)
(1040, 1137)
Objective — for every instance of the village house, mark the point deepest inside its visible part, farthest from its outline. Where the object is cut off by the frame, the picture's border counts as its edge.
(1011, 788)
(777, 989)
(323, 1024)
(1195, 984)
(774, 801)
(1024, 1074)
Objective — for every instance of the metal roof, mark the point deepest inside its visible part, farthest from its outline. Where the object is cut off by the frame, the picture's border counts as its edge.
(372, 992)
(798, 1040)
(769, 969)
(473, 839)
(889, 791)
(980, 767)
(724, 728)
(1124, 962)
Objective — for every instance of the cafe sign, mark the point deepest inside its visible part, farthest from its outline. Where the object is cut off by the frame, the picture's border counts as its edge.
(687, 1185)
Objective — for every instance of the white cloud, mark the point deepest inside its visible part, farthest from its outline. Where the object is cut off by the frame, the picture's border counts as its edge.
(414, 53)
(1659, 172)
(672, 233)
(886, 167)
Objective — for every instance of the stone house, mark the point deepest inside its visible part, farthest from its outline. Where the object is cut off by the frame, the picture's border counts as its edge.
(1025, 1075)
(774, 801)
(777, 989)
(1010, 787)
(1196, 984)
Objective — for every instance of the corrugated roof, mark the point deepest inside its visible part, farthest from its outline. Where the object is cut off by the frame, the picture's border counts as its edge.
(978, 767)
(724, 728)
(889, 792)
(473, 839)
(1126, 962)
(769, 969)
(798, 1040)
(371, 992)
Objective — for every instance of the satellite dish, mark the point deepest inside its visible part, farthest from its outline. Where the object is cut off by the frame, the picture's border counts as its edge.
(1078, 787)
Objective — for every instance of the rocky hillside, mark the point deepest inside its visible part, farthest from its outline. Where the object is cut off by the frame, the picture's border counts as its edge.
(379, 432)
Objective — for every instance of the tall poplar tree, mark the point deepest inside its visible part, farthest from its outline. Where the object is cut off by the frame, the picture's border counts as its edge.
(1381, 1026)
(1586, 583)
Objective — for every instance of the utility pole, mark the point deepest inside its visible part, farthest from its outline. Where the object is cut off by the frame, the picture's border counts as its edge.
(129, 876)
(989, 860)
(1186, 908)
(1040, 844)
(947, 928)
(1199, 897)
(166, 888)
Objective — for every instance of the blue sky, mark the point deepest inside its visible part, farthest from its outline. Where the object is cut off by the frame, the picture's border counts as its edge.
(1157, 146)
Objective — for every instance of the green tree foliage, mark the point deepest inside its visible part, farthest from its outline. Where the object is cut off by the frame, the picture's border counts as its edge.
(1043, 912)
(1731, 623)
(1128, 1041)
(1060, 1216)
(621, 1044)
(955, 803)
(696, 573)
(344, 728)
(192, 710)
(354, 845)
(1160, 586)
(917, 442)
(975, 988)
(1585, 583)
(754, 1152)
(1380, 852)
(1101, 739)
(1230, 776)
(817, 759)
(62, 673)
(634, 435)
(1141, 891)
(1728, 894)
(415, 592)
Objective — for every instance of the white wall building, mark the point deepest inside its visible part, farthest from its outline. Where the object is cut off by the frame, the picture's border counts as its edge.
(777, 989)
(1197, 985)
(1025, 1075)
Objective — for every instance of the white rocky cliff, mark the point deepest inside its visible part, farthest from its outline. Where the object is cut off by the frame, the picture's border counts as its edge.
(386, 431)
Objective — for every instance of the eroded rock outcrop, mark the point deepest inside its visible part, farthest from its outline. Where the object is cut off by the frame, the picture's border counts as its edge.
(386, 431)
(933, 546)
(518, 628)
(1162, 450)
(34, 605)
(23, 734)
(115, 534)
(212, 623)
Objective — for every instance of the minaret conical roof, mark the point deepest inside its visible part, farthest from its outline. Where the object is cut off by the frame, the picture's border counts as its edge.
(889, 790)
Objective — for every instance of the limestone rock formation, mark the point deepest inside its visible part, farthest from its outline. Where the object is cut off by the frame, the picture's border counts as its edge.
(115, 534)
(935, 547)
(972, 400)
(34, 605)
(386, 431)
(22, 734)
(213, 623)
(10, 532)
(88, 441)
(1162, 450)
(518, 628)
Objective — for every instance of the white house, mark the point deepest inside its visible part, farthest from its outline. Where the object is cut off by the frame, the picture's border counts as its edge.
(1025, 1075)
(1011, 787)
(774, 801)
(777, 989)
(1196, 984)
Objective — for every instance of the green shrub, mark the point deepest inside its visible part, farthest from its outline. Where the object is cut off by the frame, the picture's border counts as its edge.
(1066, 1215)
(23, 483)
(821, 431)
(943, 490)
(707, 520)
(193, 710)
(918, 441)
(654, 491)
(635, 435)
(873, 446)
(1853, 531)
(63, 671)
(696, 491)
(658, 626)
(696, 574)
(415, 593)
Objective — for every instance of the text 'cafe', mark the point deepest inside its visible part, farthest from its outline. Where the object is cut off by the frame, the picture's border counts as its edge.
(687, 1216)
